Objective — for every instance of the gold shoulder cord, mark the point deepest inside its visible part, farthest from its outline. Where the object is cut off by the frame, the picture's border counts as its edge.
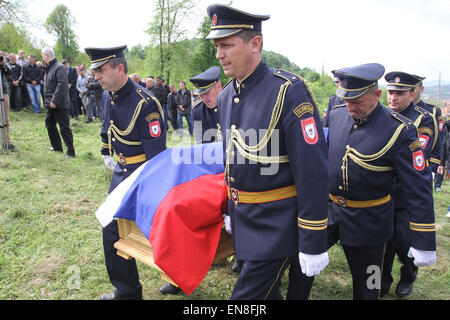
(113, 130)
(117, 133)
(361, 159)
(247, 151)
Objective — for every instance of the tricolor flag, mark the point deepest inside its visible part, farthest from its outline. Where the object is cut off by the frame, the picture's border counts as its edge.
(176, 199)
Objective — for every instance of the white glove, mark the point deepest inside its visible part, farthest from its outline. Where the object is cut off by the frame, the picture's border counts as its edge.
(313, 264)
(109, 162)
(227, 221)
(422, 258)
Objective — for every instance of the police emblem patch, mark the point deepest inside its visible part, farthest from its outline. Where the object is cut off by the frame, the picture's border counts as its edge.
(155, 129)
(418, 160)
(309, 130)
(214, 19)
(424, 140)
(441, 125)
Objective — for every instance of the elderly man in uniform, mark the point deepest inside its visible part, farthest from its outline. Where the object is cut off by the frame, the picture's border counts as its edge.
(370, 149)
(133, 129)
(275, 160)
(206, 113)
(401, 93)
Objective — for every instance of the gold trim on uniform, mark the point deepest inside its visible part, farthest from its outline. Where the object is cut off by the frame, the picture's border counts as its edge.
(305, 107)
(103, 59)
(415, 145)
(152, 116)
(233, 26)
(359, 203)
(424, 227)
(435, 160)
(426, 130)
(315, 225)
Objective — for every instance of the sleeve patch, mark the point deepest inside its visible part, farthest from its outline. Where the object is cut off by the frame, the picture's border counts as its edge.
(305, 107)
(415, 145)
(152, 116)
(425, 130)
(419, 160)
(309, 130)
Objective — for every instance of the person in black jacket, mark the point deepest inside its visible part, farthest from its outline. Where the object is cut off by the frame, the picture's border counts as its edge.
(445, 155)
(15, 97)
(72, 76)
(32, 75)
(5, 74)
(172, 106)
(56, 100)
(183, 101)
(95, 96)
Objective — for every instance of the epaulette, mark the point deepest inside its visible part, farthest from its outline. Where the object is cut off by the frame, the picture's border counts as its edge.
(422, 111)
(196, 103)
(145, 94)
(147, 97)
(338, 106)
(287, 75)
(402, 119)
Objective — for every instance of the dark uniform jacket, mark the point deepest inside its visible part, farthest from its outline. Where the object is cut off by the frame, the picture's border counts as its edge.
(133, 129)
(295, 222)
(210, 124)
(366, 158)
(438, 128)
(55, 86)
(332, 102)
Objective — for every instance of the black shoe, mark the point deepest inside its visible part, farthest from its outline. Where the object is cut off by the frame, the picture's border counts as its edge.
(56, 150)
(115, 296)
(88, 120)
(169, 288)
(12, 147)
(69, 156)
(403, 289)
(236, 267)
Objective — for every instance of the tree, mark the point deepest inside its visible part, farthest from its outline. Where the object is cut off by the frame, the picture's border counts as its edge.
(60, 23)
(165, 29)
(11, 10)
(14, 38)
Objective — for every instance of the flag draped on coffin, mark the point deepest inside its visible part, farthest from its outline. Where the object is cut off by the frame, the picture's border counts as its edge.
(177, 200)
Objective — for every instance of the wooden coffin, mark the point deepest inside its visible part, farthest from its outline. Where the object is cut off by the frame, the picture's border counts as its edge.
(133, 244)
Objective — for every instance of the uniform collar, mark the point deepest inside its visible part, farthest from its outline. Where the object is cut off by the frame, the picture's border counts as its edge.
(128, 87)
(252, 79)
(408, 108)
(370, 116)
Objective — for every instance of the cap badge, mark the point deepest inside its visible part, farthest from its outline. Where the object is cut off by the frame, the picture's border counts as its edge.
(344, 83)
(397, 79)
(214, 19)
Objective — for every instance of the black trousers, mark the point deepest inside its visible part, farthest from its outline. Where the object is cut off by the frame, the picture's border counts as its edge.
(73, 97)
(365, 266)
(60, 117)
(399, 244)
(260, 280)
(122, 273)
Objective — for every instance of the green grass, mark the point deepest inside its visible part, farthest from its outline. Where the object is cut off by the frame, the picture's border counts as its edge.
(51, 242)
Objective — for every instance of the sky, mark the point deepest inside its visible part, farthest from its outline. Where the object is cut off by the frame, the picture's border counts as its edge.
(402, 35)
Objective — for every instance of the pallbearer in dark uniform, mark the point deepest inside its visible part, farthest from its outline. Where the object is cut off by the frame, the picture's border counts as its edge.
(401, 91)
(132, 132)
(275, 155)
(370, 149)
(435, 156)
(206, 114)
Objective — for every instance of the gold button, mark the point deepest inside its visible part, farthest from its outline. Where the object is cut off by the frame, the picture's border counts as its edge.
(232, 179)
(112, 103)
(215, 110)
(236, 100)
(355, 127)
(243, 85)
(113, 139)
(125, 170)
(233, 127)
(347, 147)
(340, 188)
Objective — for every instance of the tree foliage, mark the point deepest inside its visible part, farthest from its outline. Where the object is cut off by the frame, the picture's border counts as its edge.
(60, 23)
(14, 38)
(166, 31)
